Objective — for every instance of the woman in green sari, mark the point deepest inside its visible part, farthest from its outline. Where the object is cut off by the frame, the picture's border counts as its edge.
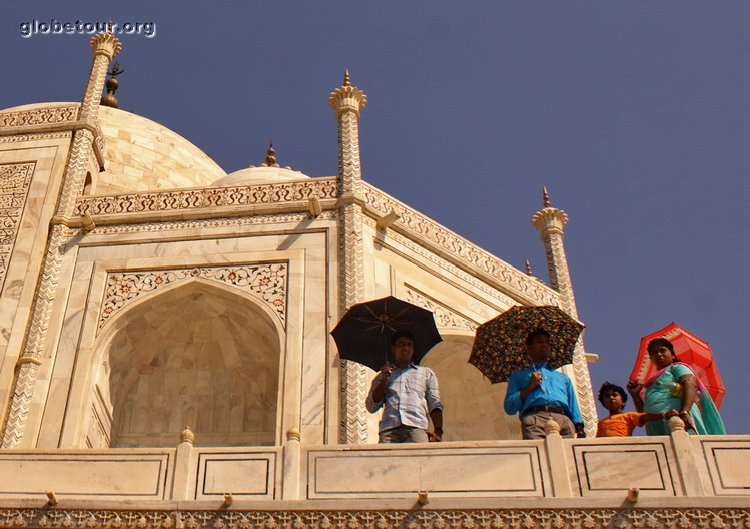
(675, 388)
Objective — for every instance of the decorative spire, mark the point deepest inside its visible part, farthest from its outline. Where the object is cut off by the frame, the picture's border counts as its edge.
(112, 84)
(528, 269)
(545, 198)
(347, 97)
(270, 156)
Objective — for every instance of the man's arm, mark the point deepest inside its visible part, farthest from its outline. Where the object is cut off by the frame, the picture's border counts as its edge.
(377, 392)
(513, 399)
(437, 422)
(432, 396)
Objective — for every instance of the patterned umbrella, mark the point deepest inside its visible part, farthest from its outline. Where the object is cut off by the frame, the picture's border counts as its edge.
(500, 344)
(364, 333)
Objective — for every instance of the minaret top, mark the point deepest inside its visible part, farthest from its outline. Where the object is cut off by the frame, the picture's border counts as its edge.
(105, 44)
(549, 219)
(347, 97)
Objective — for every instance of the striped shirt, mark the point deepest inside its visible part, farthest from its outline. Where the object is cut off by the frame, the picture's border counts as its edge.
(411, 395)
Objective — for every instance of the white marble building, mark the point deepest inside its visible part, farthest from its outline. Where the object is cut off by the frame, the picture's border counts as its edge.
(143, 290)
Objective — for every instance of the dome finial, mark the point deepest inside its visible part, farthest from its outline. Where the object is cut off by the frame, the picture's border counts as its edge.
(347, 81)
(545, 198)
(109, 100)
(528, 268)
(270, 156)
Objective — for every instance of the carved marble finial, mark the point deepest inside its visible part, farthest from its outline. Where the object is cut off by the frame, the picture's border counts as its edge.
(551, 427)
(292, 434)
(105, 44)
(347, 97)
(545, 198)
(675, 424)
(528, 269)
(270, 156)
(187, 435)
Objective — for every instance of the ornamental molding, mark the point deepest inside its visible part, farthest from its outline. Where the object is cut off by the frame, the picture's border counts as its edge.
(209, 223)
(190, 199)
(481, 286)
(15, 180)
(37, 136)
(444, 317)
(39, 116)
(689, 518)
(426, 229)
(267, 281)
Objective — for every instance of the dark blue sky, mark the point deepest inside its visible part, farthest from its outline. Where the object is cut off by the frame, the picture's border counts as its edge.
(636, 115)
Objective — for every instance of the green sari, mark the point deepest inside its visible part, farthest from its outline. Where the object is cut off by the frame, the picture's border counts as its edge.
(664, 393)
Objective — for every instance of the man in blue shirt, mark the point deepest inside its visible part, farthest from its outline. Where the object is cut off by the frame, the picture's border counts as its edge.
(538, 393)
(409, 396)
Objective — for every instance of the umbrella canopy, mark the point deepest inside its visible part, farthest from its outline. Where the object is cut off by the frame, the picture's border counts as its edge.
(500, 344)
(364, 333)
(689, 349)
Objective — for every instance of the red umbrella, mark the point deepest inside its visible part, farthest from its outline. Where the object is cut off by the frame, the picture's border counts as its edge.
(689, 349)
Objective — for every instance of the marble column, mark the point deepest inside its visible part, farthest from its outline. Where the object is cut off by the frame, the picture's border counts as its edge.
(347, 101)
(550, 223)
(104, 46)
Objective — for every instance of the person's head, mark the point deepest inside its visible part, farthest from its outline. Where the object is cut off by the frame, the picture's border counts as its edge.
(537, 344)
(612, 397)
(402, 348)
(661, 352)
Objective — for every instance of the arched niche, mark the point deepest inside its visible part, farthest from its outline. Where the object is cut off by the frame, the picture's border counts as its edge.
(473, 406)
(197, 354)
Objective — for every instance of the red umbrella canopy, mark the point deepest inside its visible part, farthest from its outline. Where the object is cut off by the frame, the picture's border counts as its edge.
(689, 349)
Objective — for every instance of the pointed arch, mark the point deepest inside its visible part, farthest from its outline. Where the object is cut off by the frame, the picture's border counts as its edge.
(195, 351)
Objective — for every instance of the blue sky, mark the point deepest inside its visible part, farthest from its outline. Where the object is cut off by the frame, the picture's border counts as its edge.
(635, 115)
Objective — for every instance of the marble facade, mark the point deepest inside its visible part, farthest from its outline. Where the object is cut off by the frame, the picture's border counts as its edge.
(143, 289)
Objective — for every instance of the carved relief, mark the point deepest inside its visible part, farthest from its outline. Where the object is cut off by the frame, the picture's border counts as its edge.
(468, 252)
(267, 280)
(207, 198)
(40, 136)
(15, 180)
(211, 223)
(694, 518)
(39, 116)
(444, 317)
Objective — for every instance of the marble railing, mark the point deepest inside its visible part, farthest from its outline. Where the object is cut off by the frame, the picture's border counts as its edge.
(624, 469)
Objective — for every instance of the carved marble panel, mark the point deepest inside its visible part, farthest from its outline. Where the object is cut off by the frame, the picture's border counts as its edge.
(15, 180)
(266, 280)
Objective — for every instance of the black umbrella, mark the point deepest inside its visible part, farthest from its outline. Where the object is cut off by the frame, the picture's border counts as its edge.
(364, 333)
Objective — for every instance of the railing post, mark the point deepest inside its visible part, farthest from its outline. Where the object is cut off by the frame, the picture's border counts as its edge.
(182, 465)
(558, 461)
(291, 471)
(687, 465)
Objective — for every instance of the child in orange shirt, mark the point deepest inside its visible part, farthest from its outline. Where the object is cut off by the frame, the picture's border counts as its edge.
(620, 424)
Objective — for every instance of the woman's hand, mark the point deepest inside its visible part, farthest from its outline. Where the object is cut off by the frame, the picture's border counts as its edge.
(634, 387)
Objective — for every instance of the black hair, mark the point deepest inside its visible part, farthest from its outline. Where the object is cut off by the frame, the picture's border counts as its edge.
(608, 386)
(402, 334)
(656, 342)
(533, 334)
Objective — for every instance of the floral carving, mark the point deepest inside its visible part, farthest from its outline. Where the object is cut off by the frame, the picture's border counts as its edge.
(426, 229)
(444, 317)
(266, 280)
(207, 198)
(384, 519)
(15, 180)
(39, 116)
